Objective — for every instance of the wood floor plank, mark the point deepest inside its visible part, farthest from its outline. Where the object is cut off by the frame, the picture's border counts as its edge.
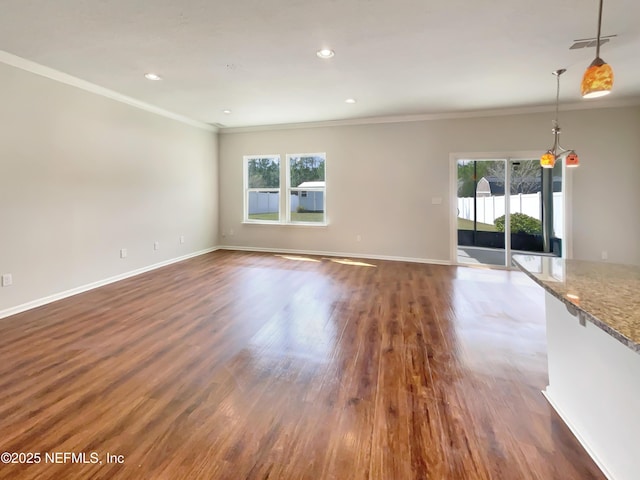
(237, 365)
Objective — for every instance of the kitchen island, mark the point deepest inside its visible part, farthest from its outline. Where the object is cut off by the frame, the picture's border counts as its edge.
(593, 348)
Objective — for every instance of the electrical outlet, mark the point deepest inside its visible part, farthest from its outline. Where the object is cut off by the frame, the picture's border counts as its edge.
(358, 238)
(123, 253)
(605, 255)
(7, 280)
(181, 238)
(156, 245)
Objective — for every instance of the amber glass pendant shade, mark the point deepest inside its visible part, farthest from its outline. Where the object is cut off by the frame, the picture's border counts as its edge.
(572, 159)
(548, 160)
(597, 80)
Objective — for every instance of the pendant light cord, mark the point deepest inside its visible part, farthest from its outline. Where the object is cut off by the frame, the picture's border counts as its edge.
(557, 98)
(557, 73)
(599, 27)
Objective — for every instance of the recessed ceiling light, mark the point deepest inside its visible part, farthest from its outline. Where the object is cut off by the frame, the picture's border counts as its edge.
(227, 111)
(152, 76)
(325, 53)
(350, 100)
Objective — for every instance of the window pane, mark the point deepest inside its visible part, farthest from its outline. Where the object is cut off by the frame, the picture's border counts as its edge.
(307, 171)
(264, 205)
(480, 203)
(264, 172)
(526, 205)
(307, 206)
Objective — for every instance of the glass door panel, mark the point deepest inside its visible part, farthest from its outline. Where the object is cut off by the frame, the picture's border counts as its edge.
(525, 205)
(481, 206)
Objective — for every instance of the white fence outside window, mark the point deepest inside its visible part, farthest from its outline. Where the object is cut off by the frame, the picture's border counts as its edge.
(266, 202)
(490, 208)
(269, 202)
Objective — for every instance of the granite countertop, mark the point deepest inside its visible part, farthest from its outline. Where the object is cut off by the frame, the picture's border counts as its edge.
(606, 294)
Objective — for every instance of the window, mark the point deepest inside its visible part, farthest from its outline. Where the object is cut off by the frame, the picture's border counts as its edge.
(306, 188)
(304, 179)
(262, 188)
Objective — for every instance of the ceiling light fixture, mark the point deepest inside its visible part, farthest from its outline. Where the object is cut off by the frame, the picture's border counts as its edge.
(598, 78)
(350, 100)
(325, 53)
(226, 111)
(548, 160)
(152, 76)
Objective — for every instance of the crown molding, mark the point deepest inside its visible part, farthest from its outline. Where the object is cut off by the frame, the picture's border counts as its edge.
(52, 74)
(585, 105)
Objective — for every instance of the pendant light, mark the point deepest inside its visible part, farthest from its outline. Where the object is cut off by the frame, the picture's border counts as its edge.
(556, 152)
(598, 78)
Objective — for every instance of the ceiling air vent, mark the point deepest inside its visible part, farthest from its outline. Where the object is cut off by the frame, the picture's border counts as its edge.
(590, 42)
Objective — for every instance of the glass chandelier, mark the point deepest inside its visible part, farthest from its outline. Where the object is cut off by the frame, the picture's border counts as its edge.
(556, 152)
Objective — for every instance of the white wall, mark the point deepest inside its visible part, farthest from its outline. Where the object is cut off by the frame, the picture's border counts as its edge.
(381, 179)
(610, 140)
(82, 176)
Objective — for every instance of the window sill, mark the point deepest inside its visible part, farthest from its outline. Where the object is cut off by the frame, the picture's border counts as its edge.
(283, 224)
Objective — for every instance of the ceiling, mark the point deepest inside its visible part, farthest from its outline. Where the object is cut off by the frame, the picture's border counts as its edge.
(258, 59)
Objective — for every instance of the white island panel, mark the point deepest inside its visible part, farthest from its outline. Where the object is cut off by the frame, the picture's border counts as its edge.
(594, 385)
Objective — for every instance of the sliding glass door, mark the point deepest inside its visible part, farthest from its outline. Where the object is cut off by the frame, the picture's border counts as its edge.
(501, 206)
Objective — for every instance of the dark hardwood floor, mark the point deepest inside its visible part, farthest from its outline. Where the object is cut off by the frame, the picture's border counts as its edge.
(256, 366)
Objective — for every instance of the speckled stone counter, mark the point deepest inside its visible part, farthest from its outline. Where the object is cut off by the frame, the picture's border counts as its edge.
(606, 294)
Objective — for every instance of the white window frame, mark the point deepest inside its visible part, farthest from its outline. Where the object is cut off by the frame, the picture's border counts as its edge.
(290, 189)
(247, 190)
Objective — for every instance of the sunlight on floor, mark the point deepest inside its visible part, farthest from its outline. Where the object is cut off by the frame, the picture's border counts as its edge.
(298, 258)
(346, 261)
(342, 261)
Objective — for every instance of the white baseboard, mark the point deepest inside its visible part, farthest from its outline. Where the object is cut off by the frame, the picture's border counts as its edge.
(579, 437)
(335, 254)
(90, 286)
